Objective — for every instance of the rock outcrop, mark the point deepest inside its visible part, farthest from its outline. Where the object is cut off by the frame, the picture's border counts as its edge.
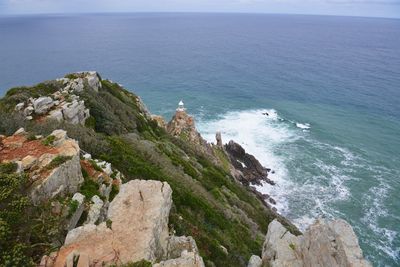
(249, 168)
(325, 243)
(52, 163)
(136, 228)
(182, 125)
(64, 104)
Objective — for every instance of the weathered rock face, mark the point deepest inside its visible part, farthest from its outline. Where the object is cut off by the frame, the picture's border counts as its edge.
(64, 104)
(182, 251)
(255, 261)
(52, 163)
(332, 243)
(139, 227)
(250, 169)
(182, 125)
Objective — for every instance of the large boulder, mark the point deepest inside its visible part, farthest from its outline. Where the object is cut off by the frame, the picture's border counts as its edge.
(136, 227)
(75, 112)
(332, 243)
(42, 104)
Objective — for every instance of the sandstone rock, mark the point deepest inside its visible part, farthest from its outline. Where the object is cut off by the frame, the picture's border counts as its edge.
(160, 121)
(331, 244)
(255, 261)
(28, 162)
(42, 104)
(78, 212)
(95, 210)
(138, 227)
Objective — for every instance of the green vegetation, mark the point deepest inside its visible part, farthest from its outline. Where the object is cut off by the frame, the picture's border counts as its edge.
(208, 203)
(8, 168)
(73, 206)
(49, 140)
(108, 223)
(89, 188)
(292, 246)
(31, 137)
(26, 231)
(95, 166)
(114, 192)
(57, 161)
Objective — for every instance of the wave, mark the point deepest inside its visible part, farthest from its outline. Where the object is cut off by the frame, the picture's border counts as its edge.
(313, 178)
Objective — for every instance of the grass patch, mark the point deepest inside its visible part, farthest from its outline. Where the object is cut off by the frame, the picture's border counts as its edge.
(49, 140)
(57, 161)
(95, 166)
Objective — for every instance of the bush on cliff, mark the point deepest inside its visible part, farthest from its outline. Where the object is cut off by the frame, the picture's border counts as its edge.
(208, 203)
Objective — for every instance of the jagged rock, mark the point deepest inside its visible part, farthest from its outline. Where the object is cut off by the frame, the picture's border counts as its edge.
(75, 112)
(20, 131)
(28, 162)
(78, 212)
(105, 190)
(182, 125)
(182, 251)
(19, 106)
(255, 261)
(331, 244)
(28, 110)
(65, 178)
(56, 115)
(251, 169)
(137, 227)
(187, 259)
(42, 104)
(218, 137)
(95, 210)
(160, 121)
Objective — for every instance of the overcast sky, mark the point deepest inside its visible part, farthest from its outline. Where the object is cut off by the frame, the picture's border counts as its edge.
(376, 8)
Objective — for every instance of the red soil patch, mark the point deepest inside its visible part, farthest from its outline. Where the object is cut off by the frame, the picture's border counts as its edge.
(10, 150)
(87, 166)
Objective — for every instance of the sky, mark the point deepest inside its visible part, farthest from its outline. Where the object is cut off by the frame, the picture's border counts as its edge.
(368, 8)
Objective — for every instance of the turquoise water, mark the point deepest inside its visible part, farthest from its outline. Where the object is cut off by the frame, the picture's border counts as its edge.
(331, 86)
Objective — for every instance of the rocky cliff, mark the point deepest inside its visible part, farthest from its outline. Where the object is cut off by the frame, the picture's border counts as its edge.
(325, 243)
(90, 178)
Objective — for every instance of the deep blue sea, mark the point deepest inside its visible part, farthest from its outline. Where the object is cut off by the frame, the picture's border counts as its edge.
(331, 86)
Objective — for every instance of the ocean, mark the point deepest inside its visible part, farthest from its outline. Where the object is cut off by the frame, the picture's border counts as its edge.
(331, 87)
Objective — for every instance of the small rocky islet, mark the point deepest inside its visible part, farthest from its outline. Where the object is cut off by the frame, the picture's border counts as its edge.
(89, 177)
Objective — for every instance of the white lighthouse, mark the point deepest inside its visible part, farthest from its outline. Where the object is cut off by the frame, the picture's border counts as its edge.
(181, 106)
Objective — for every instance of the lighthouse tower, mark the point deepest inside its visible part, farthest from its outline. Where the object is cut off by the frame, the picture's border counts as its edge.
(181, 106)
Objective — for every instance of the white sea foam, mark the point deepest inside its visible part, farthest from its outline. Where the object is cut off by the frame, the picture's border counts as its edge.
(303, 126)
(310, 176)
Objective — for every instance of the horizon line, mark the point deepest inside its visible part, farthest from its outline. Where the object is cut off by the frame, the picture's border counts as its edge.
(187, 12)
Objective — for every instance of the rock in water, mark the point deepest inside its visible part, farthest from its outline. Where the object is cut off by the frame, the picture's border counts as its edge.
(332, 244)
(250, 169)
